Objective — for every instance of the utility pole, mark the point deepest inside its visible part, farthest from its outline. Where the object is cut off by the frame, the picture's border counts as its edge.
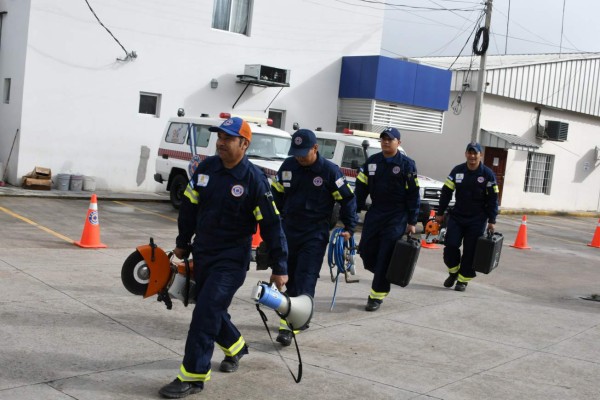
(481, 78)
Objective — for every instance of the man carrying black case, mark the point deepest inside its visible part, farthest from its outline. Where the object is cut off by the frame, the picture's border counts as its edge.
(476, 203)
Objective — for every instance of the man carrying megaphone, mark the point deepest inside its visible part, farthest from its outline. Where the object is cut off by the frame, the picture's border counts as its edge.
(226, 198)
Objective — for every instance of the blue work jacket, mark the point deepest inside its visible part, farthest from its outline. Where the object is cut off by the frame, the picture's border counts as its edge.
(476, 192)
(221, 208)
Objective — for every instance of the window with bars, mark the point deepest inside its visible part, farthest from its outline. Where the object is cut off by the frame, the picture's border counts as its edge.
(538, 176)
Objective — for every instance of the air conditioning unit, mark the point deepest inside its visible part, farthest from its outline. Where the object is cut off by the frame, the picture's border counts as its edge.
(556, 130)
(268, 75)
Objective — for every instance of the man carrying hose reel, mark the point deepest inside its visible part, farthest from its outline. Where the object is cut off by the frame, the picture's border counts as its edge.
(305, 190)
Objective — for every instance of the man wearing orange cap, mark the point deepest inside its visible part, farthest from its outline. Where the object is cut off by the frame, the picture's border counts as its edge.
(225, 199)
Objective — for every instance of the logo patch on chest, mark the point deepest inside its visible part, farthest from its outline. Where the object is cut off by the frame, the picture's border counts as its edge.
(237, 190)
(318, 181)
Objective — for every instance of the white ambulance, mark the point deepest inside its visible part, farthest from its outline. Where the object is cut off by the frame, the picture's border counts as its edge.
(185, 137)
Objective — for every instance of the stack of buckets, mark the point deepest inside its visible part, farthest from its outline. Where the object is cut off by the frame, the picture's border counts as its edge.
(75, 183)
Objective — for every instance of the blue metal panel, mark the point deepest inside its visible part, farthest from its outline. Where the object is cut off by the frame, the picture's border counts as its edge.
(358, 78)
(432, 88)
(395, 81)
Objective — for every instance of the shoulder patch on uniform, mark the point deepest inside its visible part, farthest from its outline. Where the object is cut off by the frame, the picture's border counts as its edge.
(286, 175)
(339, 182)
(203, 180)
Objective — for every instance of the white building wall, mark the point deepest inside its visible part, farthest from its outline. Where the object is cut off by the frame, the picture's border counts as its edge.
(80, 107)
(576, 174)
(12, 66)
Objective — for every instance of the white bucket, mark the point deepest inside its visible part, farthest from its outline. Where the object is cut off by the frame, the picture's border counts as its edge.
(89, 184)
(76, 183)
(62, 181)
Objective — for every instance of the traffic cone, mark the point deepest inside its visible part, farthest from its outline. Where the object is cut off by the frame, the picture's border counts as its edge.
(256, 238)
(423, 242)
(521, 240)
(596, 238)
(90, 237)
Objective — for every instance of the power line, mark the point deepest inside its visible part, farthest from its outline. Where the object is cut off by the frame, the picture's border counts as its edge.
(128, 55)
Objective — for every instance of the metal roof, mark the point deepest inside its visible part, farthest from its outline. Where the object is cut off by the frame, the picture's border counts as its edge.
(562, 81)
(507, 141)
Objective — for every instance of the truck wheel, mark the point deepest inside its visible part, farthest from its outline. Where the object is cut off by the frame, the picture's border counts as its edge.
(135, 274)
(177, 188)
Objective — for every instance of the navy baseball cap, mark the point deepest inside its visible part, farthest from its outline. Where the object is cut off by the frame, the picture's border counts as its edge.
(474, 146)
(390, 132)
(234, 127)
(302, 141)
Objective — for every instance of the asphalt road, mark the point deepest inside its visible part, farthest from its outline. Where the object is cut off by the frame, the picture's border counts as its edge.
(559, 265)
(69, 330)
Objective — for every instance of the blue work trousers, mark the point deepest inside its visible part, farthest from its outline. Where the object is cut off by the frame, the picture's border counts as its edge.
(377, 244)
(465, 231)
(306, 251)
(218, 276)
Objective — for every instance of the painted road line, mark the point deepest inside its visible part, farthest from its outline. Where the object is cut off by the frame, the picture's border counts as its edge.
(145, 211)
(27, 220)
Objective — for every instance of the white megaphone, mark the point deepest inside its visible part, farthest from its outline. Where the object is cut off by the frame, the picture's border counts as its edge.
(297, 311)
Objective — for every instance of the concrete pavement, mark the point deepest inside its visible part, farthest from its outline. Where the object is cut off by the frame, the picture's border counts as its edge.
(69, 330)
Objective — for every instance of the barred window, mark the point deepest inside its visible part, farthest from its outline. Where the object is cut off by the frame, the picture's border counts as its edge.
(538, 176)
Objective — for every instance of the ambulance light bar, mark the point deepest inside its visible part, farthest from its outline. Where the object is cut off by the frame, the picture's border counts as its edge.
(356, 132)
(247, 118)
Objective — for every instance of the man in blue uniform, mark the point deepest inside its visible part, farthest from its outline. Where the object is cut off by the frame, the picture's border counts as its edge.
(225, 199)
(391, 179)
(476, 202)
(305, 189)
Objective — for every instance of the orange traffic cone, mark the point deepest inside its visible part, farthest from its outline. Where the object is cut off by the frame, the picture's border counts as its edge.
(521, 240)
(256, 238)
(91, 229)
(423, 242)
(596, 239)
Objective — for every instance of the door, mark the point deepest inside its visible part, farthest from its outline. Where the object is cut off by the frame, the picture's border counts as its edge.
(495, 159)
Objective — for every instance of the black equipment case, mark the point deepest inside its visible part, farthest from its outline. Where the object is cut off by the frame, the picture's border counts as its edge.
(403, 261)
(487, 252)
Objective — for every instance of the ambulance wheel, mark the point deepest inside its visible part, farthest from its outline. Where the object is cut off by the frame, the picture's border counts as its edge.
(135, 274)
(177, 188)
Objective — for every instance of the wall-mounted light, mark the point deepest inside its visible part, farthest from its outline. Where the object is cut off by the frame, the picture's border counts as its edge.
(214, 83)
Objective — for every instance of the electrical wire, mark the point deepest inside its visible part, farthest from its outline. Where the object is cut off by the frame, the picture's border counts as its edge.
(128, 55)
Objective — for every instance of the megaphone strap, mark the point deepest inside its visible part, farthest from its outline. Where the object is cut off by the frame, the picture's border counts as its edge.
(264, 320)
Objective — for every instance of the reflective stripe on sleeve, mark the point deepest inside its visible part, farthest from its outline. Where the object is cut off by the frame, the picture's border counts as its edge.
(336, 195)
(277, 186)
(363, 178)
(449, 184)
(257, 214)
(191, 194)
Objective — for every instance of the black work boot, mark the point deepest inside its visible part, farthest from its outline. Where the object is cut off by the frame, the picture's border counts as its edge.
(178, 389)
(461, 286)
(373, 304)
(449, 282)
(284, 337)
(231, 363)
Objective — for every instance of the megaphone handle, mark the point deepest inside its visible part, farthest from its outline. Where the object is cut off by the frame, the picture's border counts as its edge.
(264, 320)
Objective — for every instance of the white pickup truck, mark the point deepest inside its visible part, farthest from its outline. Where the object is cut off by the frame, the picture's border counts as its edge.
(268, 149)
(350, 150)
